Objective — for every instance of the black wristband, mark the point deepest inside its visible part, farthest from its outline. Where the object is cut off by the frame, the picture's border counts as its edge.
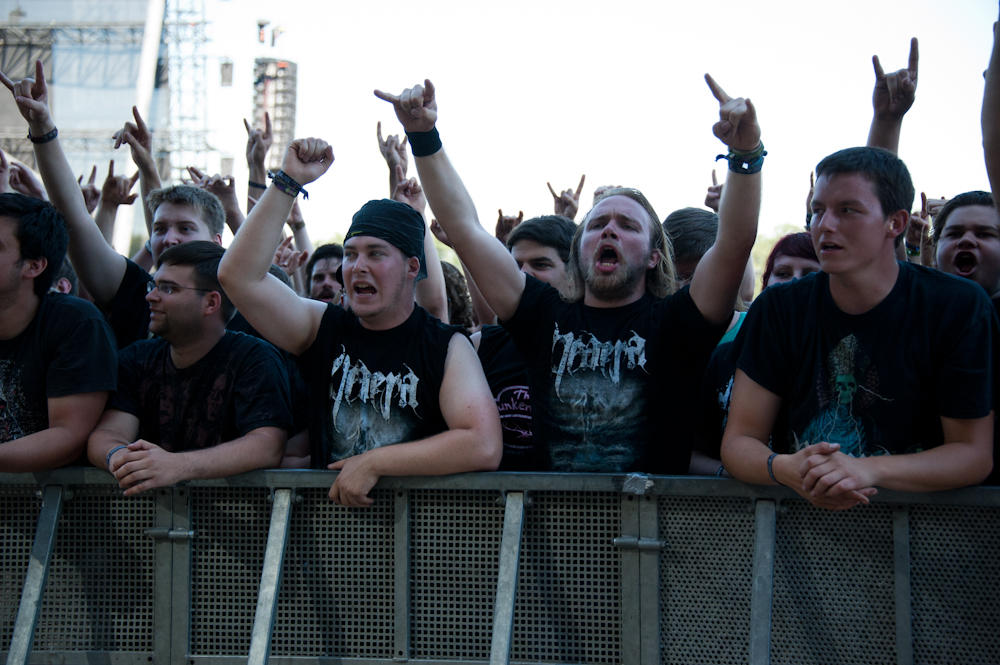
(286, 184)
(256, 184)
(424, 144)
(44, 138)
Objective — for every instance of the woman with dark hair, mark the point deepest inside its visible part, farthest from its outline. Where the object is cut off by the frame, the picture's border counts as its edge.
(791, 258)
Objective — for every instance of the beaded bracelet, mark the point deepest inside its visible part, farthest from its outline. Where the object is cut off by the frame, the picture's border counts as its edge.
(44, 138)
(746, 163)
(284, 183)
(424, 144)
(911, 250)
(112, 452)
(770, 471)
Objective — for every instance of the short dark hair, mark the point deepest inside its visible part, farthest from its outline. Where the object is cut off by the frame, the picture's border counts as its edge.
(692, 232)
(66, 272)
(882, 168)
(207, 204)
(798, 245)
(553, 231)
(204, 256)
(328, 251)
(41, 233)
(974, 198)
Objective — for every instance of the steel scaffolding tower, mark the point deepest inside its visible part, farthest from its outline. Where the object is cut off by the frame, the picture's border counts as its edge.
(275, 90)
(182, 69)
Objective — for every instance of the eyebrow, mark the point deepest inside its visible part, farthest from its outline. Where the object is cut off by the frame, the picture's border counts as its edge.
(607, 215)
(375, 244)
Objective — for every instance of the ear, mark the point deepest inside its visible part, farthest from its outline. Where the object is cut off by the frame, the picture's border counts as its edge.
(217, 239)
(897, 223)
(212, 303)
(654, 258)
(412, 267)
(32, 268)
(63, 285)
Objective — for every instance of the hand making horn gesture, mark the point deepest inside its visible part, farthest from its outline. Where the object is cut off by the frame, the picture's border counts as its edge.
(415, 107)
(737, 126)
(894, 92)
(568, 202)
(32, 97)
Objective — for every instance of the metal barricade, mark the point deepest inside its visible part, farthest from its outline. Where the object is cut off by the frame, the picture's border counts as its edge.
(501, 567)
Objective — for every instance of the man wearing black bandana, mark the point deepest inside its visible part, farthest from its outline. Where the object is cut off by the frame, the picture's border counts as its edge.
(383, 372)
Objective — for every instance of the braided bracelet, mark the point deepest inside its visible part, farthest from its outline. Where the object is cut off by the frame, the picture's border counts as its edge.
(44, 138)
(770, 471)
(110, 453)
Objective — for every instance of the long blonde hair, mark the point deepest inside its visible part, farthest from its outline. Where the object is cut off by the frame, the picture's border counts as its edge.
(661, 280)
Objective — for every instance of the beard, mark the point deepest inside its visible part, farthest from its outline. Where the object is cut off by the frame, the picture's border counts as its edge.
(615, 286)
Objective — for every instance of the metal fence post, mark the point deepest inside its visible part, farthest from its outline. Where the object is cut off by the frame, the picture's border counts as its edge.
(763, 582)
(34, 582)
(901, 561)
(510, 555)
(270, 578)
(649, 575)
(401, 576)
(628, 544)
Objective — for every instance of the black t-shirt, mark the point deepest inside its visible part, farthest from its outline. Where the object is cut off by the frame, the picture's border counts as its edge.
(879, 382)
(713, 407)
(373, 388)
(128, 311)
(508, 379)
(612, 389)
(67, 349)
(238, 386)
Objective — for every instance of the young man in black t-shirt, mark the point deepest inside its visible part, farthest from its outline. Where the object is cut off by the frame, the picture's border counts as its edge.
(612, 373)
(385, 372)
(199, 401)
(850, 367)
(57, 354)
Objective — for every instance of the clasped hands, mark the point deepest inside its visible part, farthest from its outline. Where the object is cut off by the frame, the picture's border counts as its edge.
(826, 477)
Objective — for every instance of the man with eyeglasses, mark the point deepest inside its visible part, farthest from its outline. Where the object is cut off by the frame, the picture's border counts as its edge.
(199, 401)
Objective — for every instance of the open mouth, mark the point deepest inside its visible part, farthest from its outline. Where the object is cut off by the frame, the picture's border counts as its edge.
(965, 263)
(364, 289)
(829, 247)
(607, 258)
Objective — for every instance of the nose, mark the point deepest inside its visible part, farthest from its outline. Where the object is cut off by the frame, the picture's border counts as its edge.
(171, 238)
(153, 296)
(968, 239)
(610, 230)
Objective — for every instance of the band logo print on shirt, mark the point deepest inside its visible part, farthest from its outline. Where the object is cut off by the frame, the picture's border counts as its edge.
(358, 382)
(587, 352)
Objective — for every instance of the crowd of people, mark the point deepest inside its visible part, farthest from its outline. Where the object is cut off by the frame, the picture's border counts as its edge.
(621, 343)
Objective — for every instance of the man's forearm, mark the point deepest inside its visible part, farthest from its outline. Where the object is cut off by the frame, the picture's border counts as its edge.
(252, 250)
(884, 133)
(99, 267)
(104, 217)
(261, 448)
(948, 466)
(48, 449)
(451, 451)
(103, 441)
(449, 199)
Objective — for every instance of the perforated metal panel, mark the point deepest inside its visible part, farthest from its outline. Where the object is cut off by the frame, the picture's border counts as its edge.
(455, 545)
(569, 589)
(227, 554)
(706, 571)
(833, 586)
(19, 508)
(99, 594)
(955, 584)
(337, 588)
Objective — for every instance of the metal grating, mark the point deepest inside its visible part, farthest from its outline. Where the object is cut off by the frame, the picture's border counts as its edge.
(337, 585)
(99, 594)
(454, 553)
(706, 574)
(569, 588)
(955, 577)
(19, 506)
(833, 586)
(230, 527)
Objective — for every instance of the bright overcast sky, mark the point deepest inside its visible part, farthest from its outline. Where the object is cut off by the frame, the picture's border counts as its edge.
(541, 91)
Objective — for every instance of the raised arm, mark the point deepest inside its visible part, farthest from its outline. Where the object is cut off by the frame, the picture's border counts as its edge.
(269, 306)
(140, 141)
(430, 292)
(472, 442)
(99, 267)
(716, 281)
(990, 121)
(258, 143)
(116, 191)
(891, 99)
(492, 266)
